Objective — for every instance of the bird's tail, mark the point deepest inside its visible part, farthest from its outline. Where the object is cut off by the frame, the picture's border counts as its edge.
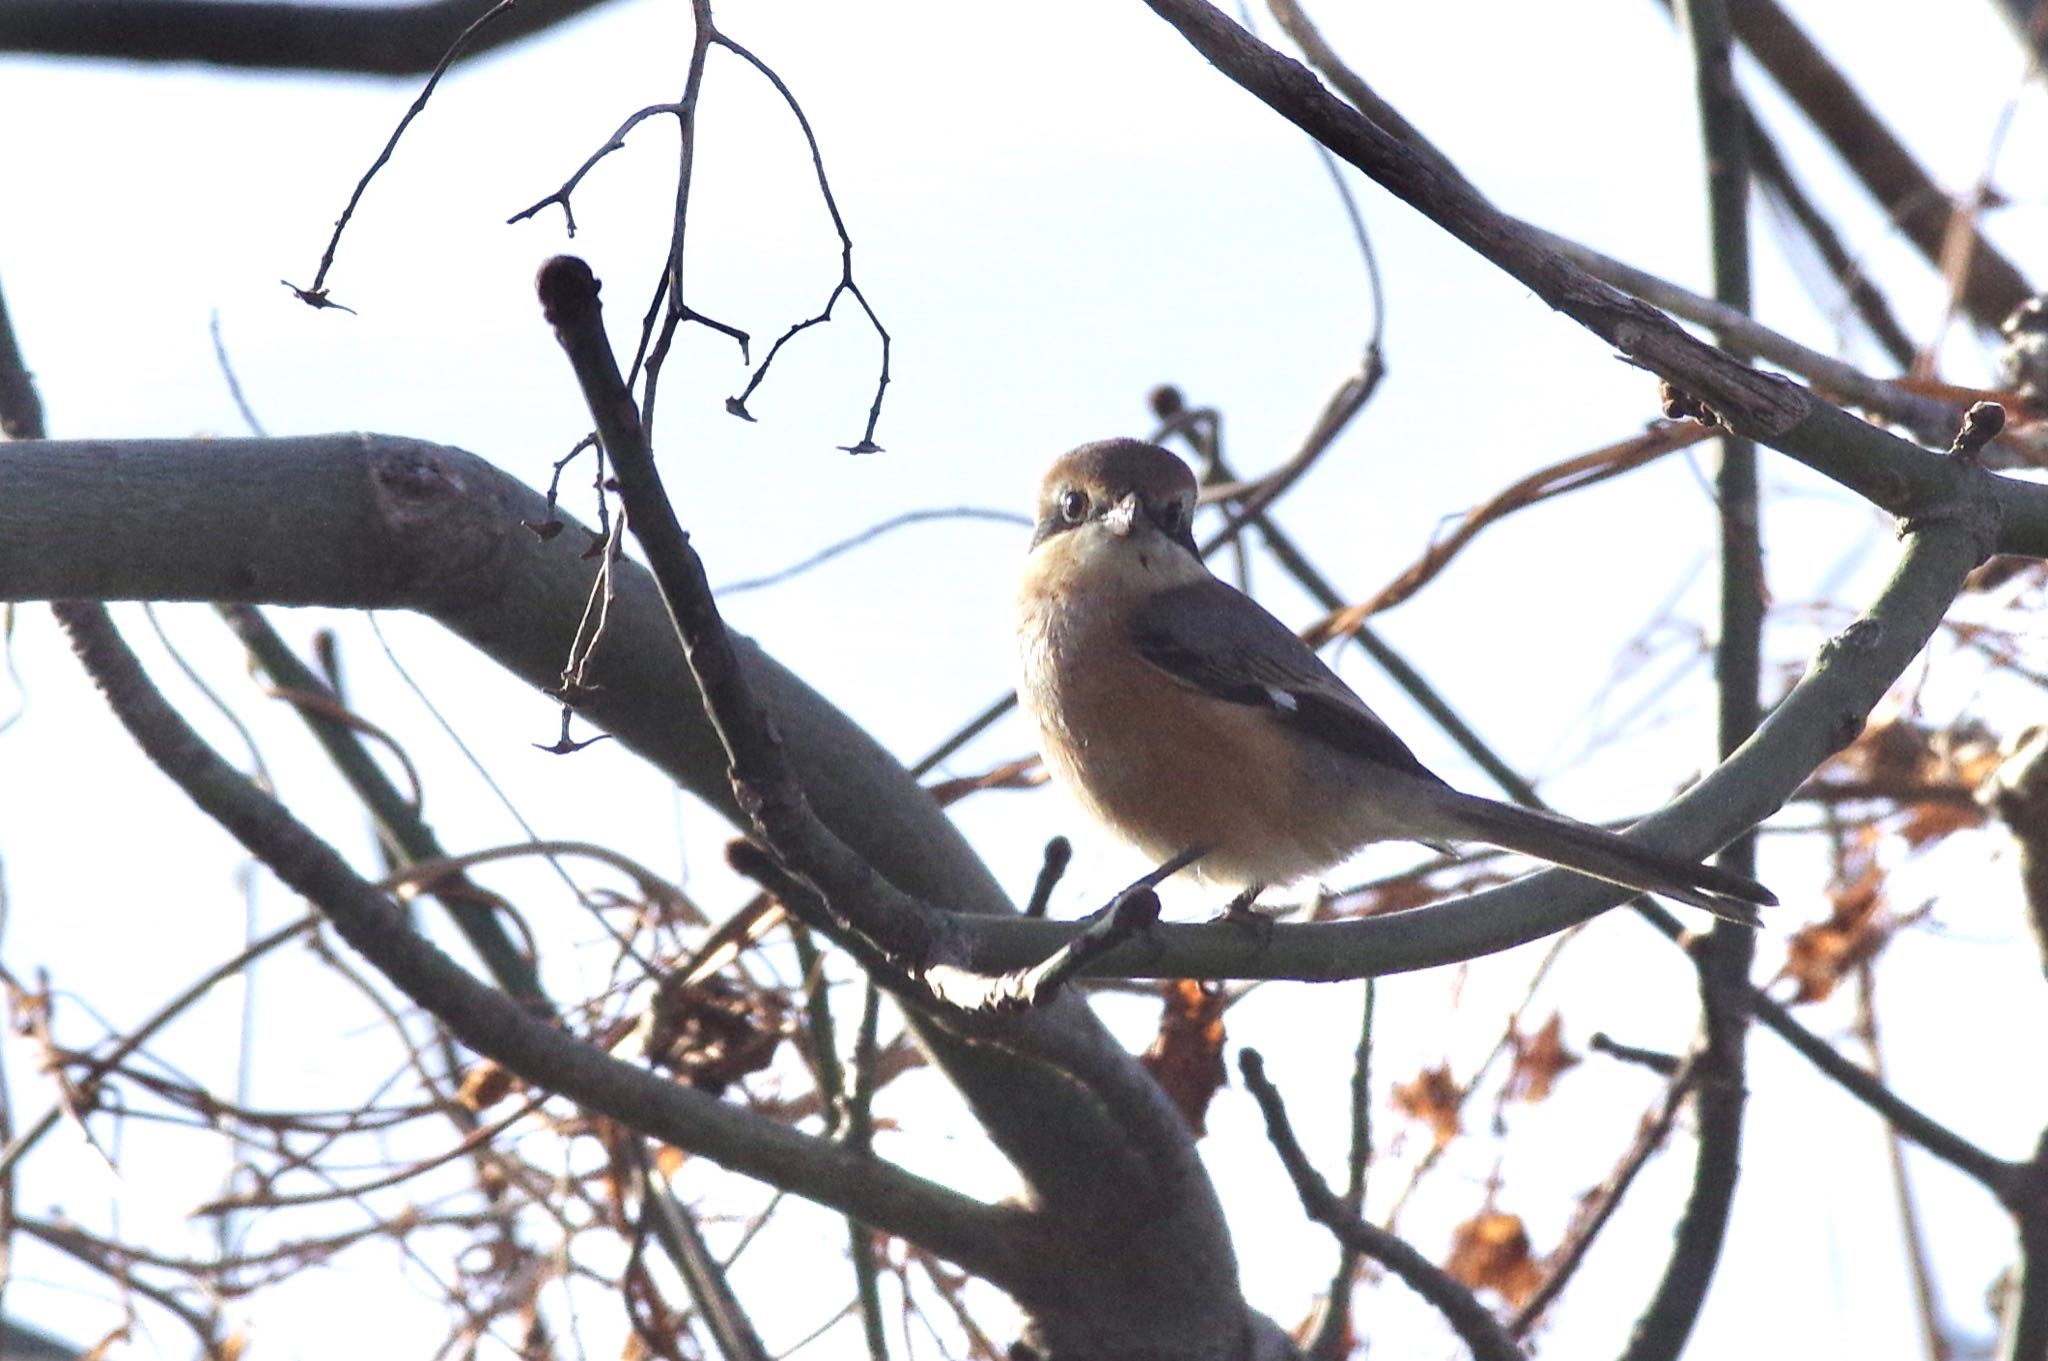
(1601, 854)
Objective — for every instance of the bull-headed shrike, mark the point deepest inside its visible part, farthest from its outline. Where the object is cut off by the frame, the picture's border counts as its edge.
(1187, 719)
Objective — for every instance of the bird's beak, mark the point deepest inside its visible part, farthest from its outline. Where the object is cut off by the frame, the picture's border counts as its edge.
(1122, 517)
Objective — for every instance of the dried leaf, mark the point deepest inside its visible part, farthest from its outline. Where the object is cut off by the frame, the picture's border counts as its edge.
(669, 1159)
(1186, 1057)
(1539, 1059)
(1818, 956)
(713, 1032)
(1490, 1251)
(1434, 1096)
(1930, 820)
(485, 1085)
(1893, 751)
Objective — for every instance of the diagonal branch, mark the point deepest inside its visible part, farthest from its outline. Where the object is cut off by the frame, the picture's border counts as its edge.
(981, 1237)
(1901, 185)
(1476, 1327)
(1164, 1205)
(1888, 471)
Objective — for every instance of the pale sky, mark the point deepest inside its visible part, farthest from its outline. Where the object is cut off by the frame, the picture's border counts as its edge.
(1055, 208)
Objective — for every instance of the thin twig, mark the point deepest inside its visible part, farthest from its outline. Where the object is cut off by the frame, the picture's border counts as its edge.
(1927, 1304)
(1333, 1328)
(617, 142)
(1559, 479)
(1470, 1319)
(869, 535)
(1596, 1210)
(315, 294)
(846, 285)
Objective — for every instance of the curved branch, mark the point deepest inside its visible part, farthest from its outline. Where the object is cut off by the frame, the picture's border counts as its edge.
(376, 522)
(1822, 713)
(983, 1238)
(385, 523)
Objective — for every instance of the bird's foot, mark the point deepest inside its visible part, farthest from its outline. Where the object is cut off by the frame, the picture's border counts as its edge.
(1243, 912)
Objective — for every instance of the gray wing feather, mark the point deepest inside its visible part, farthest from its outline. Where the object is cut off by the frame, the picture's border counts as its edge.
(1212, 638)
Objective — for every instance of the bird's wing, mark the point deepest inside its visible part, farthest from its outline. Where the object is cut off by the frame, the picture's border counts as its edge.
(1210, 637)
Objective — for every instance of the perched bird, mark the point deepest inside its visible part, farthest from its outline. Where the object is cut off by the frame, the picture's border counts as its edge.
(1186, 718)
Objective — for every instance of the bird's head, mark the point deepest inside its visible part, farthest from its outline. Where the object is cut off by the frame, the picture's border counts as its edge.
(1121, 497)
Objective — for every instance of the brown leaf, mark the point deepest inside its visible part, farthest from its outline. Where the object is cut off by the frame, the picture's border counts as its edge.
(1539, 1059)
(1930, 820)
(1490, 1251)
(1434, 1096)
(1186, 1057)
(485, 1085)
(1818, 956)
(713, 1032)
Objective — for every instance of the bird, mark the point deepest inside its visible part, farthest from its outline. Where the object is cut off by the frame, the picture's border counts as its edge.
(1190, 721)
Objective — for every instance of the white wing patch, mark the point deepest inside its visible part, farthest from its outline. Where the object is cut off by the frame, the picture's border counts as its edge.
(1283, 700)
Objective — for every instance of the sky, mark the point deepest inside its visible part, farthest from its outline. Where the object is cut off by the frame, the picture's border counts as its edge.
(1054, 209)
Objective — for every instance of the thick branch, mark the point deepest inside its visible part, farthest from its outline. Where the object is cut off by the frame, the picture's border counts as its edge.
(381, 523)
(375, 522)
(983, 1238)
(1165, 1225)
(377, 39)
(1822, 713)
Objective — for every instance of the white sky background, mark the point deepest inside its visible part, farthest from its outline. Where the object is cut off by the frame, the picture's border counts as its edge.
(1054, 209)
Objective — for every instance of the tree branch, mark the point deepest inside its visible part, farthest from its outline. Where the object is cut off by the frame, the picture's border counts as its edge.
(983, 1238)
(1164, 1204)
(376, 39)
(1899, 183)
(1891, 473)
(1724, 960)
(1475, 1326)
(387, 523)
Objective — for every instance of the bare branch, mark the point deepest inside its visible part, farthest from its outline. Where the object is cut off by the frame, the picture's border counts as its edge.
(978, 1236)
(315, 294)
(1476, 1327)
(275, 35)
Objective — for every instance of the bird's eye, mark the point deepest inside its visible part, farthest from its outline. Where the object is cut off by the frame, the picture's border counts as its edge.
(1169, 517)
(1073, 506)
